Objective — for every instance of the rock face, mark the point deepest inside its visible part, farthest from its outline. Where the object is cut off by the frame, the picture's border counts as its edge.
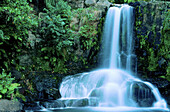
(86, 3)
(149, 27)
(148, 30)
(10, 106)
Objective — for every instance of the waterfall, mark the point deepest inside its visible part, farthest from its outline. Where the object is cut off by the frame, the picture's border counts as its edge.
(112, 85)
(111, 35)
(118, 39)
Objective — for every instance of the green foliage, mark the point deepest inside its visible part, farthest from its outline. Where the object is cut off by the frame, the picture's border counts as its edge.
(51, 2)
(168, 72)
(6, 86)
(116, 1)
(16, 20)
(112, 1)
(165, 46)
(86, 30)
(150, 58)
(153, 56)
(153, 60)
(56, 38)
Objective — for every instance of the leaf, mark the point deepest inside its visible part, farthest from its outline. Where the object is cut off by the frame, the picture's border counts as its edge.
(45, 57)
(3, 91)
(54, 59)
(20, 39)
(62, 23)
(57, 33)
(6, 64)
(44, 49)
(2, 50)
(162, 77)
(1, 87)
(18, 50)
(13, 86)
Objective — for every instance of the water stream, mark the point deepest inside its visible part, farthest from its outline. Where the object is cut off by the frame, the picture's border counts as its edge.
(112, 87)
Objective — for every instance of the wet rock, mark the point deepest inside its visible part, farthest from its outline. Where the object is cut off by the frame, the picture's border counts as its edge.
(85, 102)
(145, 102)
(162, 85)
(47, 90)
(92, 101)
(33, 106)
(10, 106)
(52, 104)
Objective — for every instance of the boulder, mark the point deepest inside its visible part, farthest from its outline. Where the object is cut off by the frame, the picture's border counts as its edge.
(76, 3)
(102, 4)
(90, 2)
(31, 39)
(25, 60)
(10, 106)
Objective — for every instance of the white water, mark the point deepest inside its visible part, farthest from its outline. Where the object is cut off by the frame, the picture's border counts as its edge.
(113, 86)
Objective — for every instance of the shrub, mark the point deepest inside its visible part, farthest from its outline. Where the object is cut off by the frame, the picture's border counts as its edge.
(16, 21)
(7, 86)
(56, 37)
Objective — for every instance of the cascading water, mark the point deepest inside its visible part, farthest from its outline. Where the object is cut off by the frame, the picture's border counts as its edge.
(111, 41)
(118, 38)
(112, 85)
